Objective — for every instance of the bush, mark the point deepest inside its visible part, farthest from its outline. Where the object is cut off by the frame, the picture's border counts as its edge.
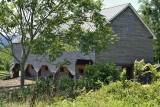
(2, 67)
(145, 73)
(65, 87)
(40, 91)
(5, 61)
(118, 94)
(103, 71)
(123, 75)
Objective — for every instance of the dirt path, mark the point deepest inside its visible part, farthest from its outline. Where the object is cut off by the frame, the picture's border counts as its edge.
(13, 82)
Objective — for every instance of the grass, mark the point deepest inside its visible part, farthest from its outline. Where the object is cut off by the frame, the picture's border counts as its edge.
(117, 94)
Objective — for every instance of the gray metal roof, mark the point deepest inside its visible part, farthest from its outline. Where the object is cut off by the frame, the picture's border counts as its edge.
(112, 12)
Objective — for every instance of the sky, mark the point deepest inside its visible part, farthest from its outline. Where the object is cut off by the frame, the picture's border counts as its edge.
(111, 3)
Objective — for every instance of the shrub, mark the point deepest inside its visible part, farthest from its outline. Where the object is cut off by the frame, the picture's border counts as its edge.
(5, 61)
(65, 87)
(118, 94)
(123, 75)
(145, 73)
(103, 71)
(2, 67)
(39, 91)
(7, 66)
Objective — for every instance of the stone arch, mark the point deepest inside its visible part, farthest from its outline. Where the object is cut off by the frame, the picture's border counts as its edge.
(45, 71)
(30, 71)
(15, 70)
(80, 66)
(63, 71)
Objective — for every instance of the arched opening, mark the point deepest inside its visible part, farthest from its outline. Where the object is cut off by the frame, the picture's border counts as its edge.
(81, 64)
(129, 71)
(45, 71)
(30, 71)
(15, 70)
(63, 71)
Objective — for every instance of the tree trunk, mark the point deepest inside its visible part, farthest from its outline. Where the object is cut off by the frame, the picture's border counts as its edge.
(22, 75)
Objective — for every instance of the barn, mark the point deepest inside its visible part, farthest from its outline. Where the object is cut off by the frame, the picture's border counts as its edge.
(135, 42)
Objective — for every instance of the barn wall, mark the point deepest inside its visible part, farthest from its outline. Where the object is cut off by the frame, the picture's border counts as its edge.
(17, 51)
(38, 60)
(135, 40)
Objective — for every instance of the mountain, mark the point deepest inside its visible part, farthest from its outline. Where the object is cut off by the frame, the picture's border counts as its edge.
(4, 41)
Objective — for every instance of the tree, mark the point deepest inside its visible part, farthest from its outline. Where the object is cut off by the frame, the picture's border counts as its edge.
(150, 12)
(5, 61)
(49, 27)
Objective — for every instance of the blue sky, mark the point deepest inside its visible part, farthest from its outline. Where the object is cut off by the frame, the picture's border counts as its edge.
(111, 3)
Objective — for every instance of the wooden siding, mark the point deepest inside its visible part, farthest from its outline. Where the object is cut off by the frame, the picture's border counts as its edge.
(135, 40)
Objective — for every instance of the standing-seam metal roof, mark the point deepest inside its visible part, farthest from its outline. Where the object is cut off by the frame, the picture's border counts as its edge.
(112, 12)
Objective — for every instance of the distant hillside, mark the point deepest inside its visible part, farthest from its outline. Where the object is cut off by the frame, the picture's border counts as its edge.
(4, 41)
(5, 61)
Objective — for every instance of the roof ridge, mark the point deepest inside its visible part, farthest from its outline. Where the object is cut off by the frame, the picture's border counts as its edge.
(116, 6)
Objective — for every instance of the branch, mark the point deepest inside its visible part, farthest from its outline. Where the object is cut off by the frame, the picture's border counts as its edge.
(45, 17)
(10, 11)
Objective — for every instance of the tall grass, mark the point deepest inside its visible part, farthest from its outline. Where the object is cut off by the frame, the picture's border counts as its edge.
(117, 94)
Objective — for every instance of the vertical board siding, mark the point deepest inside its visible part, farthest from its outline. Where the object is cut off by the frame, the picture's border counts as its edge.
(134, 42)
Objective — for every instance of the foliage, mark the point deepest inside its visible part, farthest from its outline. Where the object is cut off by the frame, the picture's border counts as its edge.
(150, 13)
(47, 27)
(2, 68)
(4, 76)
(102, 71)
(123, 75)
(5, 61)
(70, 93)
(49, 89)
(41, 90)
(116, 94)
(141, 70)
(65, 87)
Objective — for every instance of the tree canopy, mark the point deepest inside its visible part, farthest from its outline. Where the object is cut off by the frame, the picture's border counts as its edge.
(150, 12)
(50, 27)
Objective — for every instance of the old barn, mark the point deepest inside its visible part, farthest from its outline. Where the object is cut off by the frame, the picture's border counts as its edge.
(135, 42)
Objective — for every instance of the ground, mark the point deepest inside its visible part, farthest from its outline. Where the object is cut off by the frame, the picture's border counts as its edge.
(13, 82)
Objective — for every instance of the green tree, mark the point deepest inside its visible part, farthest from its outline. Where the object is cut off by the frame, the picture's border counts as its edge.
(5, 61)
(150, 12)
(50, 27)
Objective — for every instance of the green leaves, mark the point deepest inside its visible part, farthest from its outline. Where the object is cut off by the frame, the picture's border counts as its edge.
(56, 26)
(141, 69)
(150, 12)
(50, 27)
